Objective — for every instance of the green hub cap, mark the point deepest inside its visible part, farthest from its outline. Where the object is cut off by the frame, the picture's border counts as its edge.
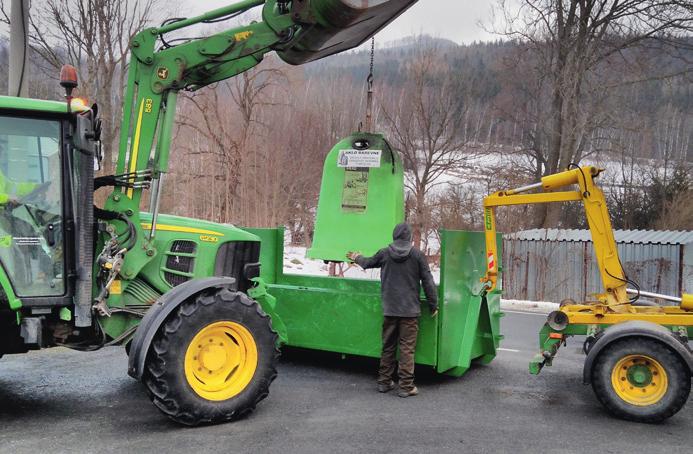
(639, 375)
(639, 380)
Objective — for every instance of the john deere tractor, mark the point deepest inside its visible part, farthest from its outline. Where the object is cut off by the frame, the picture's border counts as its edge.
(182, 295)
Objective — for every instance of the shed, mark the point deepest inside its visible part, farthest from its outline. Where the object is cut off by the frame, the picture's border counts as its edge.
(553, 264)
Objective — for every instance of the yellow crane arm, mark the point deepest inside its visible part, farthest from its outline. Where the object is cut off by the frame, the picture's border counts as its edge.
(606, 253)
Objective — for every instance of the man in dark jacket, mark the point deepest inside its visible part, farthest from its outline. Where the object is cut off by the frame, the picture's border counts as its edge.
(403, 270)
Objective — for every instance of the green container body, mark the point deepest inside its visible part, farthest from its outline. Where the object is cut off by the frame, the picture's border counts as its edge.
(345, 315)
(358, 207)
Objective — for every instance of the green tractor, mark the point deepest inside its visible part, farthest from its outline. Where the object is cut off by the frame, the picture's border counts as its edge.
(184, 296)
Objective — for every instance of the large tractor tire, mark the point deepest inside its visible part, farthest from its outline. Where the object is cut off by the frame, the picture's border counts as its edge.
(213, 360)
(640, 379)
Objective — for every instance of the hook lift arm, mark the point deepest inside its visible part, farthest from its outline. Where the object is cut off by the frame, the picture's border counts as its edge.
(612, 273)
(613, 307)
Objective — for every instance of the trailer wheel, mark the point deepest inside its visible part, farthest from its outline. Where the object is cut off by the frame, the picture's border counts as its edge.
(213, 360)
(641, 380)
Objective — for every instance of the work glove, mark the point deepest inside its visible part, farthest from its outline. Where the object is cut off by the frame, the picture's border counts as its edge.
(353, 256)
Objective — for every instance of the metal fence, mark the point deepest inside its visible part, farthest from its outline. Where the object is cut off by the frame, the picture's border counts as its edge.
(550, 265)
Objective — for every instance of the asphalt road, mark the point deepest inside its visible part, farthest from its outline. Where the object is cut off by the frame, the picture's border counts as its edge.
(63, 401)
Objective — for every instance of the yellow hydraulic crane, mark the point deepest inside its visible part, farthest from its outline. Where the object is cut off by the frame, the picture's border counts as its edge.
(638, 358)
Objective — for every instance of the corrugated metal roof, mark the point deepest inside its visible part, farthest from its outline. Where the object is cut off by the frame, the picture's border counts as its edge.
(622, 236)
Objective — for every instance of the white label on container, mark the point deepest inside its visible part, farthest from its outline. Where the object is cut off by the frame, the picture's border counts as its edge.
(359, 158)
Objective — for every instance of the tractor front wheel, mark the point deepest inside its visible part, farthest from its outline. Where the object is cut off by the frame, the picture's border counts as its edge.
(641, 380)
(213, 360)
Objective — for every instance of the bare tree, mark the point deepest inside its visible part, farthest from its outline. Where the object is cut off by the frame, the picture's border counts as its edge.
(678, 213)
(92, 35)
(424, 121)
(219, 126)
(255, 94)
(253, 147)
(568, 40)
(207, 133)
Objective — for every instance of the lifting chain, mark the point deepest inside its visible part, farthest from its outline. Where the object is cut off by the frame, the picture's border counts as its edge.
(369, 80)
(370, 73)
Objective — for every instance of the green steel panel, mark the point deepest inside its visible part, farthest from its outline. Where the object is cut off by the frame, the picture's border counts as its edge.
(345, 315)
(343, 322)
(469, 323)
(358, 206)
(344, 318)
(329, 313)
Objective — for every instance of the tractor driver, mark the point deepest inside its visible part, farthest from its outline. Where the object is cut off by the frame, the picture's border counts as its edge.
(404, 271)
(17, 260)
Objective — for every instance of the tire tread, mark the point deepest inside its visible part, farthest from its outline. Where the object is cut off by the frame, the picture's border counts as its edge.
(155, 367)
(679, 381)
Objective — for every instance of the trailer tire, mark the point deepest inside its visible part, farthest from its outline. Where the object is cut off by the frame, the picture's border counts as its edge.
(213, 359)
(641, 379)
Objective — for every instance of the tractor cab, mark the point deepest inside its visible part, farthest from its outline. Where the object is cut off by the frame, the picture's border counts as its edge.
(48, 151)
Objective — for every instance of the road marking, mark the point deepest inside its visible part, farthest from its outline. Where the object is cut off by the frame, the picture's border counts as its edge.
(512, 350)
(523, 313)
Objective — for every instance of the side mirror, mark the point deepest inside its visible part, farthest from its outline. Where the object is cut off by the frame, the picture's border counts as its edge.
(97, 130)
(98, 157)
(87, 135)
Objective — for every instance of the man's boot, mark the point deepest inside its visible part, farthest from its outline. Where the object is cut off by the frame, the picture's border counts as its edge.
(412, 392)
(385, 387)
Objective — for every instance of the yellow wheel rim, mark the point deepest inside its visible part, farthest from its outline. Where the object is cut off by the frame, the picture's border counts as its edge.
(221, 360)
(639, 380)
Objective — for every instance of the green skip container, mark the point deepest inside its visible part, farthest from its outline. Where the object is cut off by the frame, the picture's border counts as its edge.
(344, 315)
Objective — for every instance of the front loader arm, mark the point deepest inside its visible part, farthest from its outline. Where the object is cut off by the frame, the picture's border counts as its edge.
(298, 30)
(154, 80)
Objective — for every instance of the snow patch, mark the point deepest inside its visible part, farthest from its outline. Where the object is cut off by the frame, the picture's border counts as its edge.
(296, 262)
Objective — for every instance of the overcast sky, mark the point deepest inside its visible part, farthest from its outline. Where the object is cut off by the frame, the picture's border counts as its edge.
(452, 19)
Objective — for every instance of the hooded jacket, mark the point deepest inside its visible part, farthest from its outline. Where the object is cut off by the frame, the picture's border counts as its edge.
(403, 271)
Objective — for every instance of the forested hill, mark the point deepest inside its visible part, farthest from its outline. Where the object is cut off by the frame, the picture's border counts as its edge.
(493, 82)
(653, 87)
(467, 120)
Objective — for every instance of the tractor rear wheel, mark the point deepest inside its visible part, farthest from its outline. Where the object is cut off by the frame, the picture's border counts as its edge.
(641, 380)
(213, 360)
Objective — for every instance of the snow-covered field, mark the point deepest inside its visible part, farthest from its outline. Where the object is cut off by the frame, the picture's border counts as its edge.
(295, 262)
(483, 171)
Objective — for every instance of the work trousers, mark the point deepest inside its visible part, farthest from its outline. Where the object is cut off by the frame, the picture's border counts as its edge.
(402, 331)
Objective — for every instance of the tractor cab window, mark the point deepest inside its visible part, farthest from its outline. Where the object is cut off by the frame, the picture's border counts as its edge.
(31, 206)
